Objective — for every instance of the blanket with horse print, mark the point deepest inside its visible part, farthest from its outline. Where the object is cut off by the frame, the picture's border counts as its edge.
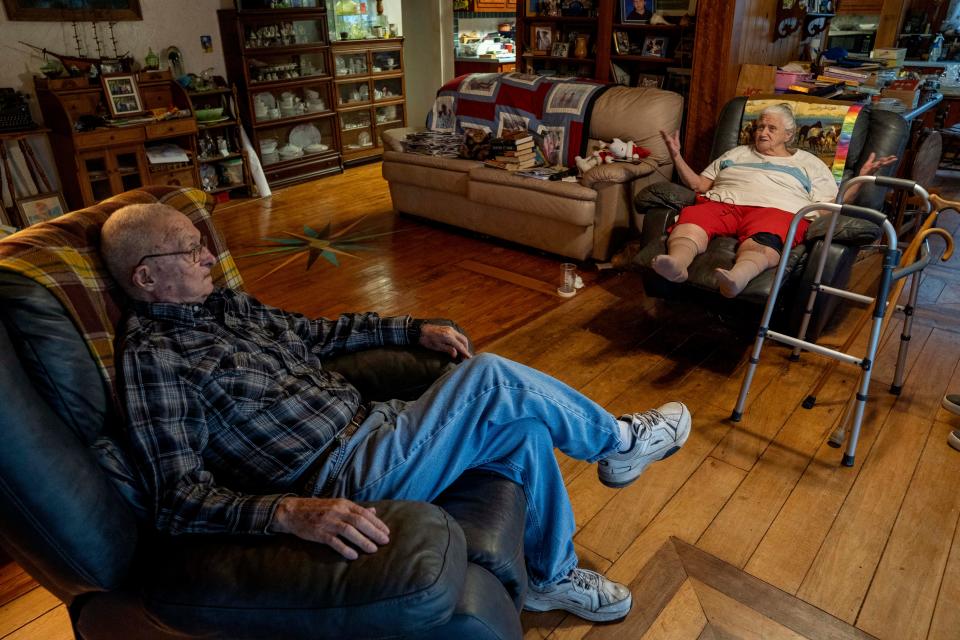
(823, 128)
(556, 111)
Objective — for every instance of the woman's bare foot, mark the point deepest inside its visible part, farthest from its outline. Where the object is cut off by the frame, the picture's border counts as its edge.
(667, 268)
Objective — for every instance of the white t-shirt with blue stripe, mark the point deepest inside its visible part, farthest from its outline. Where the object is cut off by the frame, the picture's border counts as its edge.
(747, 177)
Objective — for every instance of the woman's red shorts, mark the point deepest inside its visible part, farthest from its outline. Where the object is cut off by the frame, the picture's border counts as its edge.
(726, 219)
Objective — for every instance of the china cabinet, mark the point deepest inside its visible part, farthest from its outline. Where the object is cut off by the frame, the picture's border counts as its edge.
(97, 161)
(224, 167)
(369, 94)
(279, 59)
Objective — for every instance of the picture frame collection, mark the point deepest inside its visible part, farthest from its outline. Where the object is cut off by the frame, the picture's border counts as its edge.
(652, 46)
(122, 93)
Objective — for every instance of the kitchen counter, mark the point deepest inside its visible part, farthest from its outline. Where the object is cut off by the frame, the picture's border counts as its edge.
(503, 60)
(465, 64)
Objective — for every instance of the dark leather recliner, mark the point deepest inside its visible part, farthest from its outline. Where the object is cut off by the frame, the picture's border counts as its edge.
(454, 568)
(656, 208)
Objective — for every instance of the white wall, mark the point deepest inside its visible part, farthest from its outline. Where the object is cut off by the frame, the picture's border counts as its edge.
(428, 53)
(165, 23)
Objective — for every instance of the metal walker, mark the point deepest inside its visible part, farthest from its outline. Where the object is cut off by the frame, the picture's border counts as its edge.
(883, 305)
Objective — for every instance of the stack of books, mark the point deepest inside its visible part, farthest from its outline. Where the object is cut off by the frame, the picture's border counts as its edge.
(821, 88)
(513, 151)
(853, 76)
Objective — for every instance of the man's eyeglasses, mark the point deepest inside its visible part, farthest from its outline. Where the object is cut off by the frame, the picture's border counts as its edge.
(194, 252)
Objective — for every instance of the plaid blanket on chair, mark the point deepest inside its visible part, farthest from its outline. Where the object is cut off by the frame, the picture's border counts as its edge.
(556, 110)
(63, 255)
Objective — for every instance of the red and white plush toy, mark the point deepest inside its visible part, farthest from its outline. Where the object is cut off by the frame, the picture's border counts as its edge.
(618, 150)
(629, 151)
(600, 155)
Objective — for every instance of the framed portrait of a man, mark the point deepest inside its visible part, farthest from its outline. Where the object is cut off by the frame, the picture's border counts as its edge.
(637, 11)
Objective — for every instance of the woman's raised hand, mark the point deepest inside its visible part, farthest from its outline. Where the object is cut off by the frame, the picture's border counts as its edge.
(672, 140)
(874, 164)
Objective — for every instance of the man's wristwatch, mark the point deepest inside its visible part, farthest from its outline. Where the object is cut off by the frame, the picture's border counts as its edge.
(414, 330)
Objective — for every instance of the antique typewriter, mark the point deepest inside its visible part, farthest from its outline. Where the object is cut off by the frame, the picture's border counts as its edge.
(14, 112)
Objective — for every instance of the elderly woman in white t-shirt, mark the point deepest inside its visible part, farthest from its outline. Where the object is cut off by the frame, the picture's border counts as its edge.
(752, 193)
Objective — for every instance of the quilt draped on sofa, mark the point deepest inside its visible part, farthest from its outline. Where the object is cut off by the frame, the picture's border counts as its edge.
(556, 110)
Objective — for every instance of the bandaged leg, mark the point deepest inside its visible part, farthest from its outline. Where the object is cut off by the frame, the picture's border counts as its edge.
(753, 259)
(685, 243)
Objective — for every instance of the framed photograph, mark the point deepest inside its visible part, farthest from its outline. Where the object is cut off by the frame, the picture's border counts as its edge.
(619, 74)
(649, 80)
(621, 42)
(654, 47)
(677, 7)
(541, 38)
(85, 10)
(637, 11)
(40, 208)
(123, 95)
(111, 65)
(560, 49)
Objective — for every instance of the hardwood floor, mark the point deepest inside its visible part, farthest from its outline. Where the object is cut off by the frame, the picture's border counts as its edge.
(776, 539)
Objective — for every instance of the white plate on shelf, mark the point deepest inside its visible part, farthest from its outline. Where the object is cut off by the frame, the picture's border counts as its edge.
(315, 148)
(303, 135)
(267, 99)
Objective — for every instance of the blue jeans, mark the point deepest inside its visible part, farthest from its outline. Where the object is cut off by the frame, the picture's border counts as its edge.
(489, 413)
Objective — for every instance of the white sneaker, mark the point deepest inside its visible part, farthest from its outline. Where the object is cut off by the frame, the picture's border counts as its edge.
(584, 593)
(951, 403)
(657, 434)
(954, 439)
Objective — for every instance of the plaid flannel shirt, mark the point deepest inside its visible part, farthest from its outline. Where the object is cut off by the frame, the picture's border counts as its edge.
(235, 389)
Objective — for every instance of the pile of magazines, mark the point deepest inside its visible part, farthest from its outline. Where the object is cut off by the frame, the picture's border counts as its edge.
(433, 143)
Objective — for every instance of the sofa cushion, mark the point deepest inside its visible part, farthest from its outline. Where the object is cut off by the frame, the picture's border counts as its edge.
(242, 587)
(564, 201)
(615, 115)
(428, 172)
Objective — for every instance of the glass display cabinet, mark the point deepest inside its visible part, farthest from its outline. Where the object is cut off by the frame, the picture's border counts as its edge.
(357, 20)
(278, 54)
(370, 94)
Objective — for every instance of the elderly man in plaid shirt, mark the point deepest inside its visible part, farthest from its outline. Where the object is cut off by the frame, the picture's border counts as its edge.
(236, 427)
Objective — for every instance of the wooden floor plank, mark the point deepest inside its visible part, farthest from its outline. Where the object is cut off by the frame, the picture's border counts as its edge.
(767, 414)
(768, 601)
(628, 511)
(738, 530)
(14, 582)
(686, 516)
(946, 615)
(23, 610)
(683, 619)
(917, 550)
(935, 365)
(52, 625)
(731, 619)
(793, 541)
(840, 575)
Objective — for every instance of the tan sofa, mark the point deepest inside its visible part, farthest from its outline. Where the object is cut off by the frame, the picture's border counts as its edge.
(580, 220)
